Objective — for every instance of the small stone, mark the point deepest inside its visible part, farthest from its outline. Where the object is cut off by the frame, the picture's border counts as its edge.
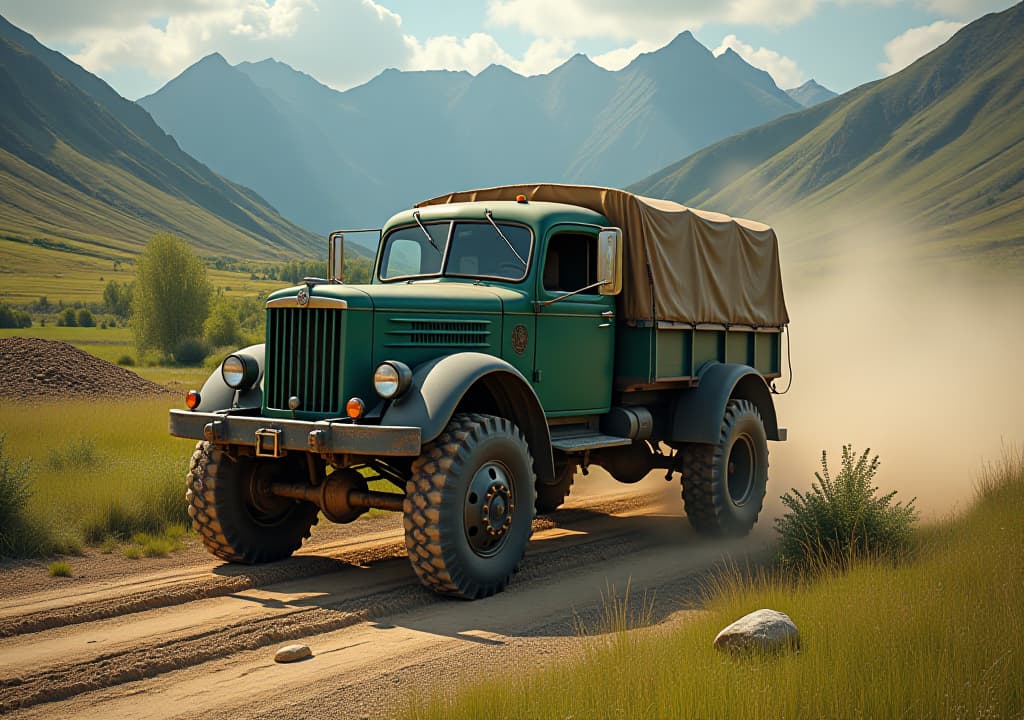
(764, 630)
(292, 653)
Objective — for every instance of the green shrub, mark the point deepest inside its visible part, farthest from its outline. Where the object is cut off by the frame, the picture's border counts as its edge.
(842, 519)
(223, 326)
(84, 318)
(132, 552)
(14, 318)
(126, 361)
(191, 352)
(59, 569)
(15, 492)
(68, 318)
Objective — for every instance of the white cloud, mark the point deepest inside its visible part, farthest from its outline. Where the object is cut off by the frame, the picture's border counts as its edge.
(785, 71)
(968, 9)
(904, 49)
(653, 22)
(479, 50)
(621, 57)
(340, 42)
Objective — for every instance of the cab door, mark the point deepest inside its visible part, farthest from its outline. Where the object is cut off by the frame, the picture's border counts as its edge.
(575, 346)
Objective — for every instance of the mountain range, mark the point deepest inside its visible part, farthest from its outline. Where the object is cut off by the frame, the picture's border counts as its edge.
(934, 152)
(330, 159)
(87, 171)
(810, 93)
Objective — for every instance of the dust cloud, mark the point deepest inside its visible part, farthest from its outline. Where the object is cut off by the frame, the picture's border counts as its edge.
(919, 361)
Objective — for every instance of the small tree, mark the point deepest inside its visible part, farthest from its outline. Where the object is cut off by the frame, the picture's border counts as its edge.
(843, 518)
(223, 327)
(171, 297)
(117, 299)
(68, 318)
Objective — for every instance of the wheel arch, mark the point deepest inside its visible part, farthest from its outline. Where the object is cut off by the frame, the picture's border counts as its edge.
(697, 414)
(474, 382)
(217, 395)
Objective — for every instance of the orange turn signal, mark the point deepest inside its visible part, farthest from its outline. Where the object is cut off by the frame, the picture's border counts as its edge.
(192, 399)
(520, 198)
(355, 408)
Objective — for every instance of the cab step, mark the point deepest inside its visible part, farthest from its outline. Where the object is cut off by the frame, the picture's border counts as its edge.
(578, 440)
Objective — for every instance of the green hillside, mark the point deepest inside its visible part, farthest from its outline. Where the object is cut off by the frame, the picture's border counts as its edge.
(88, 174)
(933, 154)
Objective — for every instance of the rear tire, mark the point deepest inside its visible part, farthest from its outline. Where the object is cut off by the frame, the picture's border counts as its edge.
(237, 519)
(724, 484)
(469, 507)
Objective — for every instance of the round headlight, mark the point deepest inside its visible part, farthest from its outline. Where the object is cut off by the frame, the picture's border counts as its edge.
(391, 379)
(239, 371)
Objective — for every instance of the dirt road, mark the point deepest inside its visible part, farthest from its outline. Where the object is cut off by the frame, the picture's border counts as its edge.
(197, 640)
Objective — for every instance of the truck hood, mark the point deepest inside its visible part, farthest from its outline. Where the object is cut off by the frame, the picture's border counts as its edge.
(442, 296)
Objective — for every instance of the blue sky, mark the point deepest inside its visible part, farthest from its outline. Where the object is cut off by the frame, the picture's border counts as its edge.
(138, 45)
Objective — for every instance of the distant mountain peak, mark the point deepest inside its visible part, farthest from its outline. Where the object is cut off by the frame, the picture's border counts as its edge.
(214, 58)
(579, 63)
(810, 93)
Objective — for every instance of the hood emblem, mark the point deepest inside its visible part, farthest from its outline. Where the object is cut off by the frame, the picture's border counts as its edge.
(302, 298)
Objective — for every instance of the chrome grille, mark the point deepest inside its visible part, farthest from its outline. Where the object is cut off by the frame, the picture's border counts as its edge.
(303, 358)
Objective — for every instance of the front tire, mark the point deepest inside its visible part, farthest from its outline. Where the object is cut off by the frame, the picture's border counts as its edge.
(234, 514)
(724, 484)
(469, 507)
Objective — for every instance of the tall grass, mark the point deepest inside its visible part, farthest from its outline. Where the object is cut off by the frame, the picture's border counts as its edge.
(941, 637)
(99, 469)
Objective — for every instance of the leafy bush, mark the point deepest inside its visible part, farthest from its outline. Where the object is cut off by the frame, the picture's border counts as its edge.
(843, 518)
(191, 352)
(68, 318)
(14, 318)
(126, 361)
(84, 318)
(223, 326)
(15, 491)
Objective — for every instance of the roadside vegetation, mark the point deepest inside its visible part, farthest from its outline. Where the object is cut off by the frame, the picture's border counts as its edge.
(932, 631)
(78, 473)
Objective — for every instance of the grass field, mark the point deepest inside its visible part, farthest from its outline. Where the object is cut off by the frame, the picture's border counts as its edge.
(940, 637)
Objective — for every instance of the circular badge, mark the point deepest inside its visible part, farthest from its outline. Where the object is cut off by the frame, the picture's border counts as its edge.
(520, 339)
(302, 298)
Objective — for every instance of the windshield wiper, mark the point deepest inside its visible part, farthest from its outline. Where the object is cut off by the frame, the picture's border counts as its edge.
(416, 217)
(487, 214)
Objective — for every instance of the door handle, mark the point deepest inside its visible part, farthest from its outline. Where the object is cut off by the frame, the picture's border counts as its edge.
(608, 316)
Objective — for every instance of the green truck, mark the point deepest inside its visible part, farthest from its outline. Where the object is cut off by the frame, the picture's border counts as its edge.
(509, 338)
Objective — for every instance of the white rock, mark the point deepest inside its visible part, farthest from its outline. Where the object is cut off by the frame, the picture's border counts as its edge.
(766, 630)
(291, 653)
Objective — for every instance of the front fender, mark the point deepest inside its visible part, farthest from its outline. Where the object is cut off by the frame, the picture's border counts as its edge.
(437, 387)
(697, 415)
(217, 395)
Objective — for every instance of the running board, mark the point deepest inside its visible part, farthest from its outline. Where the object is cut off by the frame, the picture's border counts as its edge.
(578, 441)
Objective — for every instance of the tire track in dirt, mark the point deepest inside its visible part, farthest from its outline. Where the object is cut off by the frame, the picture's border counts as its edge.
(589, 540)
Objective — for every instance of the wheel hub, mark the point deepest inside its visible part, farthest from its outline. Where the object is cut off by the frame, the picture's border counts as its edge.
(740, 469)
(489, 508)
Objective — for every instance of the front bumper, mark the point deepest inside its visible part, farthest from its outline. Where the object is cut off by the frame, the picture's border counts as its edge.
(271, 437)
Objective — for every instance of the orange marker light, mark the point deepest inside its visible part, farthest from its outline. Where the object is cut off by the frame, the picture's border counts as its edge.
(355, 408)
(192, 399)
(520, 198)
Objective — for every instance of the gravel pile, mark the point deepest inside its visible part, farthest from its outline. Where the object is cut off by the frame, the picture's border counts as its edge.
(36, 369)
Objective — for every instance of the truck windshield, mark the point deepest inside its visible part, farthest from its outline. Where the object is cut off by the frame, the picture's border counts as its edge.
(463, 249)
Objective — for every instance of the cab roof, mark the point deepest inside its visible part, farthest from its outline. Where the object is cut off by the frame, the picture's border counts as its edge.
(538, 215)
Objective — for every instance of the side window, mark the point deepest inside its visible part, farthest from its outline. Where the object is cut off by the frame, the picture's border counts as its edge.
(571, 262)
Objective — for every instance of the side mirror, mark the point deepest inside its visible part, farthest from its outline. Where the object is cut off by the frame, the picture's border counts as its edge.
(336, 257)
(609, 261)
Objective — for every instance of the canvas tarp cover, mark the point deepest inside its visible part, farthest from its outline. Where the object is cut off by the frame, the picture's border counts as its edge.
(705, 267)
